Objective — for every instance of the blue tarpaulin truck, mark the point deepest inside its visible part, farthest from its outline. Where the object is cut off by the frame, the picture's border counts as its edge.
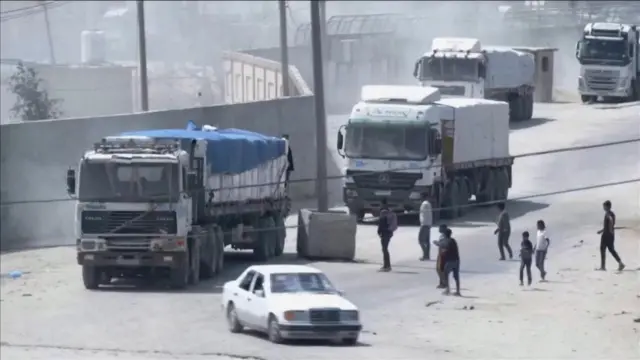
(166, 203)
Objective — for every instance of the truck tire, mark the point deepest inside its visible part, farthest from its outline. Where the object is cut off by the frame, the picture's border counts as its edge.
(515, 108)
(451, 195)
(265, 246)
(91, 277)
(281, 234)
(635, 91)
(529, 106)
(194, 264)
(464, 192)
(588, 99)
(487, 195)
(502, 185)
(358, 213)
(180, 275)
(219, 236)
(208, 261)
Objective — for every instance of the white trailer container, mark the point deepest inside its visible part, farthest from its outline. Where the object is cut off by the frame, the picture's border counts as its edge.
(478, 128)
(404, 145)
(463, 67)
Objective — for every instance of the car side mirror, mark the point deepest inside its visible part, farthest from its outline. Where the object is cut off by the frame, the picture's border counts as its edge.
(71, 182)
(259, 293)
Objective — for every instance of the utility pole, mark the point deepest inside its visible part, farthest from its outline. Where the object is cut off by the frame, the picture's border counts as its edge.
(318, 92)
(142, 49)
(52, 55)
(284, 48)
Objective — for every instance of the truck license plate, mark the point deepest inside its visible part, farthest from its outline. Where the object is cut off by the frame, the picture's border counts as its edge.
(129, 262)
(383, 193)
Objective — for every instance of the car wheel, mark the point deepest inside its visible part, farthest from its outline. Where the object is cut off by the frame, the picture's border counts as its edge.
(232, 319)
(350, 341)
(274, 331)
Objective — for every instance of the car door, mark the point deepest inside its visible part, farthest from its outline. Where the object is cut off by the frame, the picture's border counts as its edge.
(257, 303)
(240, 295)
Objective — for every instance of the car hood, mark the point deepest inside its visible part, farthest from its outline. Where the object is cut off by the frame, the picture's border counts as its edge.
(307, 301)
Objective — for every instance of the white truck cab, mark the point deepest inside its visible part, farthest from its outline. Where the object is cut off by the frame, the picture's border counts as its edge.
(391, 144)
(609, 62)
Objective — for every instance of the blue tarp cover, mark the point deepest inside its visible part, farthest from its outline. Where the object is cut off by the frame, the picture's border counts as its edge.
(228, 150)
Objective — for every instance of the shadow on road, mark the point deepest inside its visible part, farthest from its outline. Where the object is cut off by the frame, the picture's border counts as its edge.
(305, 343)
(516, 209)
(519, 125)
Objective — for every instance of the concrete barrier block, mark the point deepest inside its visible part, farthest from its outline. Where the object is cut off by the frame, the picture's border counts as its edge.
(326, 235)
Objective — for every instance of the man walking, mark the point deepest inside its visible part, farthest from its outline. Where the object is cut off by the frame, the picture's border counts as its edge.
(503, 231)
(542, 245)
(607, 237)
(451, 259)
(526, 253)
(290, 166)
(387, 224)
(424, 235)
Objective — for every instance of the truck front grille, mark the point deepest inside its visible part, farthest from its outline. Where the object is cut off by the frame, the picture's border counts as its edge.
(119, 244)
(601, 80)
(324, 315)
(128, 222)
(384, 180)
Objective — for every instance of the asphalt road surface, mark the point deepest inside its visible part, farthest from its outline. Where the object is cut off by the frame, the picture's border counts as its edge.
(48, 314)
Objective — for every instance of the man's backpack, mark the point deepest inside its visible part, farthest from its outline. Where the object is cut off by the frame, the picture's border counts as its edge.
(392, 220)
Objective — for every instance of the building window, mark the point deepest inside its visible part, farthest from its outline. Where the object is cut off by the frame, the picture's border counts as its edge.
(260, 90)
(238, 86)
(249, 96)
(545, 63)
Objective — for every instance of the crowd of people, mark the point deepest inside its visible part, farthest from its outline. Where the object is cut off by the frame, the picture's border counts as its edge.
(448, 256)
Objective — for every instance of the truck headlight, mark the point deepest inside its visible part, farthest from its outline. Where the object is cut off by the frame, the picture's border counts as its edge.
(92, 245)
(296, 315)
(623, 84)
(580, 82)
(170, 244)
(349, 315)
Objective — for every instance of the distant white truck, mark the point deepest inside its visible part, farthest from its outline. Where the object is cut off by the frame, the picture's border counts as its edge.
(462, 67)
(609, 59)
(405, 144)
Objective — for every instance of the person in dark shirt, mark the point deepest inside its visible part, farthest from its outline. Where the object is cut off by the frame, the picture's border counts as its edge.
(386, 226)
(451, 258)
(607, 237)
(439, 263)
(290, 166)
(526, 255)
(503, 231)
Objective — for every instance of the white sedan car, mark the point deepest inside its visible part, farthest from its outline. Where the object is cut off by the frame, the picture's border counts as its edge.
(290, 302)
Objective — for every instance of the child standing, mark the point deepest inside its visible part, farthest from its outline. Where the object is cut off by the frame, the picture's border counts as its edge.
(526, 255)
(542, 245)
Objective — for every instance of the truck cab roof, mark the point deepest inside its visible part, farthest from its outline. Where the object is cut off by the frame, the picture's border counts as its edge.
(396, 104)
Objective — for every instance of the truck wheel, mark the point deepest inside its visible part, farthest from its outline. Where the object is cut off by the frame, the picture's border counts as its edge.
(219, 237)
(359, 214)
(635, 91)
(208, 262)
(281, 234)
(463, 190)
(265, 247)
(515, 108)
(451, 194)
(587, 99)
(180, 275)
(529, 107)
(91, 277)
(487, 196)
(501, 185)
(194, 270)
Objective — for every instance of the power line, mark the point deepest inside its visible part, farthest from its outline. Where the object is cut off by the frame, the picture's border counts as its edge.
(32, 10)
(537, 153)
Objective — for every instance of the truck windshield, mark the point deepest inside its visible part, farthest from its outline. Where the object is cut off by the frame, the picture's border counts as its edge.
(449, 69)
(129, 182)
(395, 142)
(595, 51)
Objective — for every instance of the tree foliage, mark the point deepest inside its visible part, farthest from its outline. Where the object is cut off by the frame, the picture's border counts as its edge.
(32, 101)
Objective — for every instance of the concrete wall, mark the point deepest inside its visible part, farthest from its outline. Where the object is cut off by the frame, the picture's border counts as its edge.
(83, 90)
(36, 155)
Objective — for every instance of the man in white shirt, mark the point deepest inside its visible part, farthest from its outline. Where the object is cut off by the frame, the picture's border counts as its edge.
(541, 247)
(424, 235)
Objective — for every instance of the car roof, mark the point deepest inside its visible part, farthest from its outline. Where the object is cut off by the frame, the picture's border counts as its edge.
(279, 269)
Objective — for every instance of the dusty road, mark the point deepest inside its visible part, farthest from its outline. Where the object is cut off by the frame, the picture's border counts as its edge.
(47, 314)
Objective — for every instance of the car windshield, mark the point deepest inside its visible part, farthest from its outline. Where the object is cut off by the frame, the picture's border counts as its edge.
(301, 282)
(141, 182)
(449, 69)
(386, 142)
(603, 50)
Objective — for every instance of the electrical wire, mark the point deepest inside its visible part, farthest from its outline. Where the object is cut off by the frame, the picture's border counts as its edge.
(365, 173)
(32, 10)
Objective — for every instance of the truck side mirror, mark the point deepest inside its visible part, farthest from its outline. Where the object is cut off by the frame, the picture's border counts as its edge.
(436, 142)
(631, 50)
(416, 69)
(71, 182)
(340, 141)
(191, 183)
(578, 49)
(437, 146)
(482, 71)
